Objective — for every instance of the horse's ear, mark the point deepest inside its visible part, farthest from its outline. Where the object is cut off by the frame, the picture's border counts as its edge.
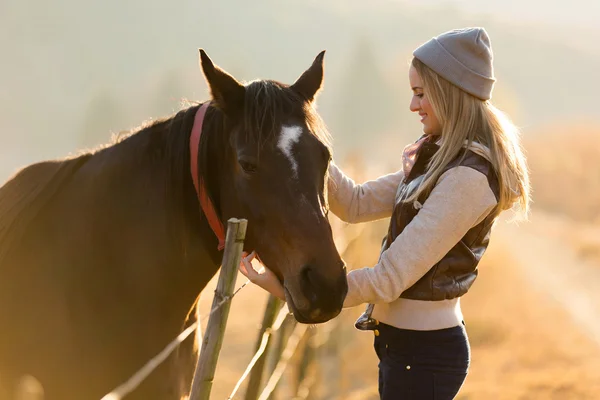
(309, 83)
(227, 92)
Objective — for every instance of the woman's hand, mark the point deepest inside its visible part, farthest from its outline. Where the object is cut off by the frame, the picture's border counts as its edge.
(265, 278)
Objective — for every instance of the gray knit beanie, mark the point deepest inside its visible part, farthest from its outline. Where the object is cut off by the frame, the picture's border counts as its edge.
(464, 58)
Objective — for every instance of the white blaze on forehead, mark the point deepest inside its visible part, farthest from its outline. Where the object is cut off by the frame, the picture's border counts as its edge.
(289, 136)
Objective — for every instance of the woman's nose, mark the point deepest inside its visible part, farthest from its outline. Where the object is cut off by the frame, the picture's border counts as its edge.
(414, 104)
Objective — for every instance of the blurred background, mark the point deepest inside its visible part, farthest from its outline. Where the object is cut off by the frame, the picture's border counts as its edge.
(72, 73)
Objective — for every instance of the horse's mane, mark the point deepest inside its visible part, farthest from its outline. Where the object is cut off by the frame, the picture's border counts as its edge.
(267, 102)
(24, 195)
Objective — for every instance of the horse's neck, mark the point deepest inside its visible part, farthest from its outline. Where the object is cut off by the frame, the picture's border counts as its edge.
(196, 235)
(155, 170)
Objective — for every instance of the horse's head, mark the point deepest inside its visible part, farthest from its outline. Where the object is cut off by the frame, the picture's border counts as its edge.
(277, 173)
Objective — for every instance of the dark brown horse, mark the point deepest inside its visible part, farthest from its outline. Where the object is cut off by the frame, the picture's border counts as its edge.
(102, 255)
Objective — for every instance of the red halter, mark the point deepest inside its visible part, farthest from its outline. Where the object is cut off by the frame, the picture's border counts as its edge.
(207, 206)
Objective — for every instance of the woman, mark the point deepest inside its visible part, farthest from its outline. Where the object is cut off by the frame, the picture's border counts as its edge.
(455, 180)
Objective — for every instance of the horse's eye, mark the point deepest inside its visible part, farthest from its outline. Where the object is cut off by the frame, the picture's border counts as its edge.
(248, 166)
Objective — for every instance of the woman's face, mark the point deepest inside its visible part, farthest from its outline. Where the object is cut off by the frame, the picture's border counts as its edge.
(419, 103)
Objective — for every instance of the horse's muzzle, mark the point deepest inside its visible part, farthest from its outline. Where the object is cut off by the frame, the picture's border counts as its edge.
(321, 296)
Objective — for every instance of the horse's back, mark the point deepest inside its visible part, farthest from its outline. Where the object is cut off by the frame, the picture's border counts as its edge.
(24, 196)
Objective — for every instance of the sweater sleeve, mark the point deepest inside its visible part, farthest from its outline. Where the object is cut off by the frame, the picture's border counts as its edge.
(460, 200)
(369, 201)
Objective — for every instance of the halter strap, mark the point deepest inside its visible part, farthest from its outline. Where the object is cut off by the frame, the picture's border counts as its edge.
(207, 207)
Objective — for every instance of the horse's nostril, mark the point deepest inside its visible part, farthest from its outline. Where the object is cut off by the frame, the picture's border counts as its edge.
(309, 280)
(308, 274)
(321, 291)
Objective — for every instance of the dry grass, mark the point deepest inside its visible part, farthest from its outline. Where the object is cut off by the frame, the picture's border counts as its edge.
(525, 345)
(565, 169)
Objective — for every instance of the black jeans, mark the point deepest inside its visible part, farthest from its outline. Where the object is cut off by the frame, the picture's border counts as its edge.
(423, 365)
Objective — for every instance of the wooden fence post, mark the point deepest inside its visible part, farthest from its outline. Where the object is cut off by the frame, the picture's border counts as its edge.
(290, 348)
(281, 338)
(306, 367)
(271, 310)
(215, 330)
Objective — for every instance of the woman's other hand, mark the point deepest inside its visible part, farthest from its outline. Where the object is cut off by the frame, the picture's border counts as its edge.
(264, 277)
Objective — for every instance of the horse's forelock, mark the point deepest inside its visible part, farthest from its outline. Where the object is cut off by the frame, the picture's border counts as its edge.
(268, 103)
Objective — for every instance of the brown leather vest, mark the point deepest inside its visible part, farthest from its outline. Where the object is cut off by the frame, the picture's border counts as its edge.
(453, 275)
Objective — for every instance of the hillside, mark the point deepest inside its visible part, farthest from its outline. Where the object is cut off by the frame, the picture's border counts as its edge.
(564, 166)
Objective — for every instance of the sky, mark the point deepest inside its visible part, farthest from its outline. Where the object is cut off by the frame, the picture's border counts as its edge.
(65, 60)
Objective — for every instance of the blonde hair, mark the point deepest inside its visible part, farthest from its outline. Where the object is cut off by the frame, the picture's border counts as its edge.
(465, 118)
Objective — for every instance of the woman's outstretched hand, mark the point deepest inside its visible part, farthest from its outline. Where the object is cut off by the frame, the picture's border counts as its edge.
(265, 278)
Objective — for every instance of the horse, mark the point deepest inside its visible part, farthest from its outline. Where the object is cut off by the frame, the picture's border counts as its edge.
(103, 254)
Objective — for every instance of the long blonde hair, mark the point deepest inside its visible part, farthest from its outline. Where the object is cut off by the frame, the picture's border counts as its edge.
(466, 119)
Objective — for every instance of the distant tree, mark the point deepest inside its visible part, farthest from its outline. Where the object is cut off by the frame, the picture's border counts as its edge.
(366, 101)
(170, 91)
